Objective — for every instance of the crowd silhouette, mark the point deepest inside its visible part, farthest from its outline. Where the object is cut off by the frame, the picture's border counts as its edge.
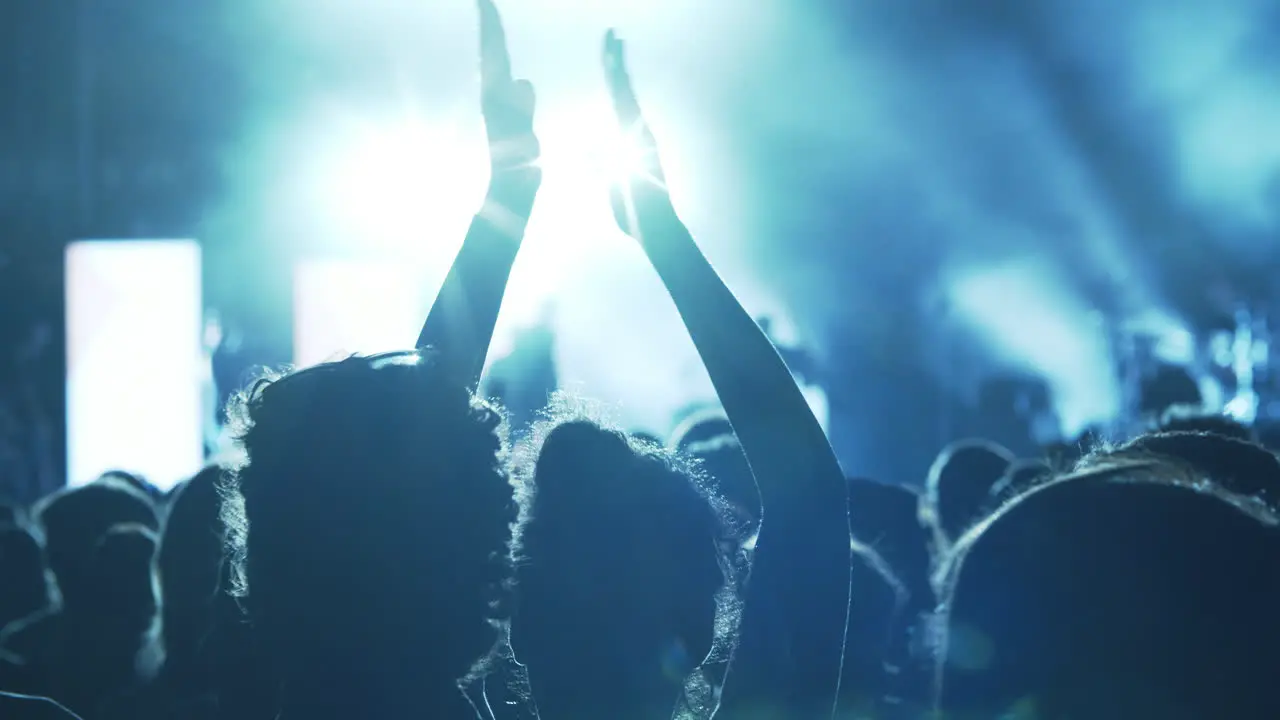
(382, 543)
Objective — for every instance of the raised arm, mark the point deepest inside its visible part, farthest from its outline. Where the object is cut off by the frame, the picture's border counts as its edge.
(460, 324)
(803, 551)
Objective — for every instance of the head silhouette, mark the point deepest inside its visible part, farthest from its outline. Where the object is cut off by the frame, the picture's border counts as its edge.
(26, 585)
(122, 575)
(74, 522)
(701, 427)
(137, 482)
(1237, 465)
(710, 438)
(1127, 591)
(957, 490)
(91, 653)
(621, 579)
(883, 518)
(1169, 386)
(189, 562)
(370, 524)
(1178, 419)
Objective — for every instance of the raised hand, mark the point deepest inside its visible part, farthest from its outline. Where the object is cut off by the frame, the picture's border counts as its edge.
(640, 199)
(508, 108)
(802, 488)
(460, 324)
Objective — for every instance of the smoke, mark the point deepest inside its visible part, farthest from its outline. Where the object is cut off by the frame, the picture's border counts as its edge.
(852, 160)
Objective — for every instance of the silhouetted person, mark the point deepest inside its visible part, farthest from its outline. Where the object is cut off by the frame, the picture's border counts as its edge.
(709, 437)
(75, 524)
(621, 573)
(802, 554)
(957, 491)
(878, 670)
(884, 518)
(1117, 593)
(96, 650)
(371, 523)
(1168, 386)
(213, 665)
(189, 560)
(1240, 466)
(138, 482)
(373, 529)
(24, 582)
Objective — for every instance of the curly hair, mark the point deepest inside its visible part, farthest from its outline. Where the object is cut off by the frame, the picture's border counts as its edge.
(347, 469)
(1236, 464)
(628, 517)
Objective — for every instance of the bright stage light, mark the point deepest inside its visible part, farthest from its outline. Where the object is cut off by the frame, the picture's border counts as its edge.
(399, 194)
(387, 184)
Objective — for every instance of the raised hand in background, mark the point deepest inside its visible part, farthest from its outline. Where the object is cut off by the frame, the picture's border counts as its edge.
(801, 569)
(641, 198)
(460, 325)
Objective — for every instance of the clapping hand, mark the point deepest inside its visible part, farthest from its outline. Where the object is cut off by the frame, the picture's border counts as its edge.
(508, 107)
(639, 200)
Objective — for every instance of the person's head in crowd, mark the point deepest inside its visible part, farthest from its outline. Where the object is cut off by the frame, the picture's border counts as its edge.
(94, 651)
(709, 437)
(369, 523)
(1022, 475)
(74, 522)
(1168, 386)
(189, 562)
(26, 585)
(138, 482)
(883, 517)
(1239, 465)
(701, 426)
(884, 606)
(1193, 419)
(1129, 589)
(126, 588)
(98, 637)
(958, 487)
(622, 580)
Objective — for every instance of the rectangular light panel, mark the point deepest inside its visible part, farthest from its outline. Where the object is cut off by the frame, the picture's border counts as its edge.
(134, 359)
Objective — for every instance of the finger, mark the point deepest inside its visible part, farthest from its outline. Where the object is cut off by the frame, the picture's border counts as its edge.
(524, 97)
(625, 104)
(495, 59)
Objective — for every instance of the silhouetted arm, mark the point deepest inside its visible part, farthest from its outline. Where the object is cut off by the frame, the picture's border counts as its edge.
(803, 552)
(460, 325)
